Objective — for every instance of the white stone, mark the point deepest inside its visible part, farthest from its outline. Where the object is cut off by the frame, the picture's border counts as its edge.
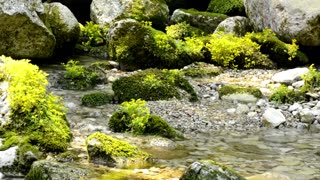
(274, 117)
(306, 116)
(231, 110)
(290, 76)
(243, 98)
(298, 84)
(295, 106)
(242, 108)
(7, 157)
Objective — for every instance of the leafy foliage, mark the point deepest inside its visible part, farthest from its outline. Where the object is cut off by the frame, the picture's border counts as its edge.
(311, 80)
(35, 113)
(95, 99)
(152, 84)
(78, 77)
(92, 34)
(285, 95)
(135, 116)
(182, 30)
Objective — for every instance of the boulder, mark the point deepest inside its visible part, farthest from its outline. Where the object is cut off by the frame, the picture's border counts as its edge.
(237, 25)
(273, 117)
(55, 171)
(105, 12)
(7, 158)
(22, 33)
(205, 21)
(290, 76)
(209, 170)
(62, 23)
(289, 19)
(106, 150)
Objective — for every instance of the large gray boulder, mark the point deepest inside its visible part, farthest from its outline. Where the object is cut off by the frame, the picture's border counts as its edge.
(22, 33)
(210, 170)
(104, 12)
(205, 21)
(237, 25)
(289, 19)
(63, 24)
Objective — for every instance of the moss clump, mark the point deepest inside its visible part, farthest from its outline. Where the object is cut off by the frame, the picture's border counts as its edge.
(35, 114)
(203, 13)
(233, 89)
(135, 116)
(228, 7)
(67, 156)
(183, 30)
(96, 99)
(311, 80)
(152, 84)
(200, 69)
(285, 95)
(285, 55)
(77, 77)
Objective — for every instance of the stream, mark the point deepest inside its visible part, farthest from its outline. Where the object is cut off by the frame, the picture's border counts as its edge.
(290, 152)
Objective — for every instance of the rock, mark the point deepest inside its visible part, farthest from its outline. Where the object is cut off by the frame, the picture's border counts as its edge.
(273, 117)
(205, 21)
(108, 151)
(289, 19)
(242, 98)
(242, 109)
(209, 170)
(105, 12)
(295, 106)
(7, 159)
(55, 171)
(306, 116)
(22, 33)
(62, 23)
(290, 76)
(237, 25)
(269, 176)
(298, 84)
(160, 142)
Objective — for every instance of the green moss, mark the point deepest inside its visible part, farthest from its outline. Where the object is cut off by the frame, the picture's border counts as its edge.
(152, 84)
(233, 89)
(200, 69)
(183, 30)
(68, 156)
(92, 35)
(36, 173)
(203, 13)
(115, 147)
(158, 126)
(95, 99)
(228, 7)
(35, 114)
(285, 55)
(285, 95)
(311, 80)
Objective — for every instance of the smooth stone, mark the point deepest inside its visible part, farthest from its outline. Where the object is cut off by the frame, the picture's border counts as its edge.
(243, 98)
(306, 116)
(295, 106)
(290, 76)
(273, 117)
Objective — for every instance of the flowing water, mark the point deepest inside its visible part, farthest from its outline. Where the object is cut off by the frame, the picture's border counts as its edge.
(291, 152)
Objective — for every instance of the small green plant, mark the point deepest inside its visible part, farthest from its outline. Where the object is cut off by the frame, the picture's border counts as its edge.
(95, 99)
(78, 77)
(285, 95)
(182, 30)
(311, 80)
(92, 34)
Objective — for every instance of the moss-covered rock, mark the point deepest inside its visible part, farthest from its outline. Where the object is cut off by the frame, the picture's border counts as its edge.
(234, 89)
(62, 23)
(205, 21)
(285, 55)
(96, 99)
(42, 170)
(183, 30)
(209, 170)
(36, 115)
(285, 95)
(228, 7)
(200, 69)
(237, 25)
(152, 84)
(106, 150)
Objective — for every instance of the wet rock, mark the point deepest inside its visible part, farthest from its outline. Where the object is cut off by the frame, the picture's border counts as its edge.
(290, 76)
(273, 117)
(209, 170)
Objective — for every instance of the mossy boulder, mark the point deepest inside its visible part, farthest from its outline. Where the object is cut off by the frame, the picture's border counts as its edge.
(106, 150)
(22, 33)
(285, 55)
(105, 12)
(209, 170)
(35, 115)
(201, 69)
(183, 30)
(237, 25)
(205, 21)
(228, 7)
(65, 27)
(239, 93)
(152, 84)
(96, 99)
(42, 170)
(138, 46)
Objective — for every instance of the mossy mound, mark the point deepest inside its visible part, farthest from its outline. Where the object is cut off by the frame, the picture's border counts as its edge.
(96, 99)
(285, 95)
(183, 30)
(228, 7)
(200, 69)
(152, 84)
(35, 115)
(285, 55)
(233, 89)
(106, 150)
(138, 46)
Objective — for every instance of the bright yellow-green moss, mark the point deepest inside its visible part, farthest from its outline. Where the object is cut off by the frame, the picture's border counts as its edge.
(233, 89)
(115, 147)
(228, 7)
(34, 112)
(285, 95)
(92, 34)
(182, 30)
